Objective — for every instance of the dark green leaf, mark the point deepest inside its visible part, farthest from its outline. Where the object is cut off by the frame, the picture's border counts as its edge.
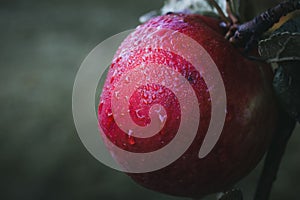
(281, 47)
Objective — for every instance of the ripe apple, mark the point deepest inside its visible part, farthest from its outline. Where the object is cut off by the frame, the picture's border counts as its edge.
(250, 113)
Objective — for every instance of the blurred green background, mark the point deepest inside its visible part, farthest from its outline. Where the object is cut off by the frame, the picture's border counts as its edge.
(42, 44)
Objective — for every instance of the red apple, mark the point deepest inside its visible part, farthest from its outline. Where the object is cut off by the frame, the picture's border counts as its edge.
(250, 114)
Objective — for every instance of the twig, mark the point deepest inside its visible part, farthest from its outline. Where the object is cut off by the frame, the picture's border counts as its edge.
(219, 9)
(229, 10)
(248, 33)
(233, 26)
(274, 156)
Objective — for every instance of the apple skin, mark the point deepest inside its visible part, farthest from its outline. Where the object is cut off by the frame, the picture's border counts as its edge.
(250, 119)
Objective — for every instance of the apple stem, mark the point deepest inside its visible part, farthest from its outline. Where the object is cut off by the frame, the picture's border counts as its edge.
(274, 156)
(248, 33)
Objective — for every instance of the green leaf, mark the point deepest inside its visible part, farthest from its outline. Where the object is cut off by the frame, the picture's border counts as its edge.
(283, 44)
(282, 50)
(280, 47)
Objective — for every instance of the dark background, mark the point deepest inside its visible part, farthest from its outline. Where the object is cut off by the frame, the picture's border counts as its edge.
(42, 44)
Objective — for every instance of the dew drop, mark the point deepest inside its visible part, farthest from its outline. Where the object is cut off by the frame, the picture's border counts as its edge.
(115, 73)
(131, 139)
(112, 79)
(100, 106)
(160, 90)
(162, 118)
(138, 114)
(130, 132)
(145, 95)
(117, 94)
(153, 96)
(147, 87)
(108, 112)
(110, 122)
(145, 73)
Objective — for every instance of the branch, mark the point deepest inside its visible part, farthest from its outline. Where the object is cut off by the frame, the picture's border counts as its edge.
(274, 156)
(248, 33)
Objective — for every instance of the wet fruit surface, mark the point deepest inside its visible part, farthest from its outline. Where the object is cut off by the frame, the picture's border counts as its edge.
(250, 113)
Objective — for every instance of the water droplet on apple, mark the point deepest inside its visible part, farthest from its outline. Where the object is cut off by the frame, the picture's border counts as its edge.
(109, 112)
(100, 106)
(162, 118)
(153, 96)
(145, 101)
(145, 95)
(117, 94)
(138, 114)
(130, 132)
(131, 139)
